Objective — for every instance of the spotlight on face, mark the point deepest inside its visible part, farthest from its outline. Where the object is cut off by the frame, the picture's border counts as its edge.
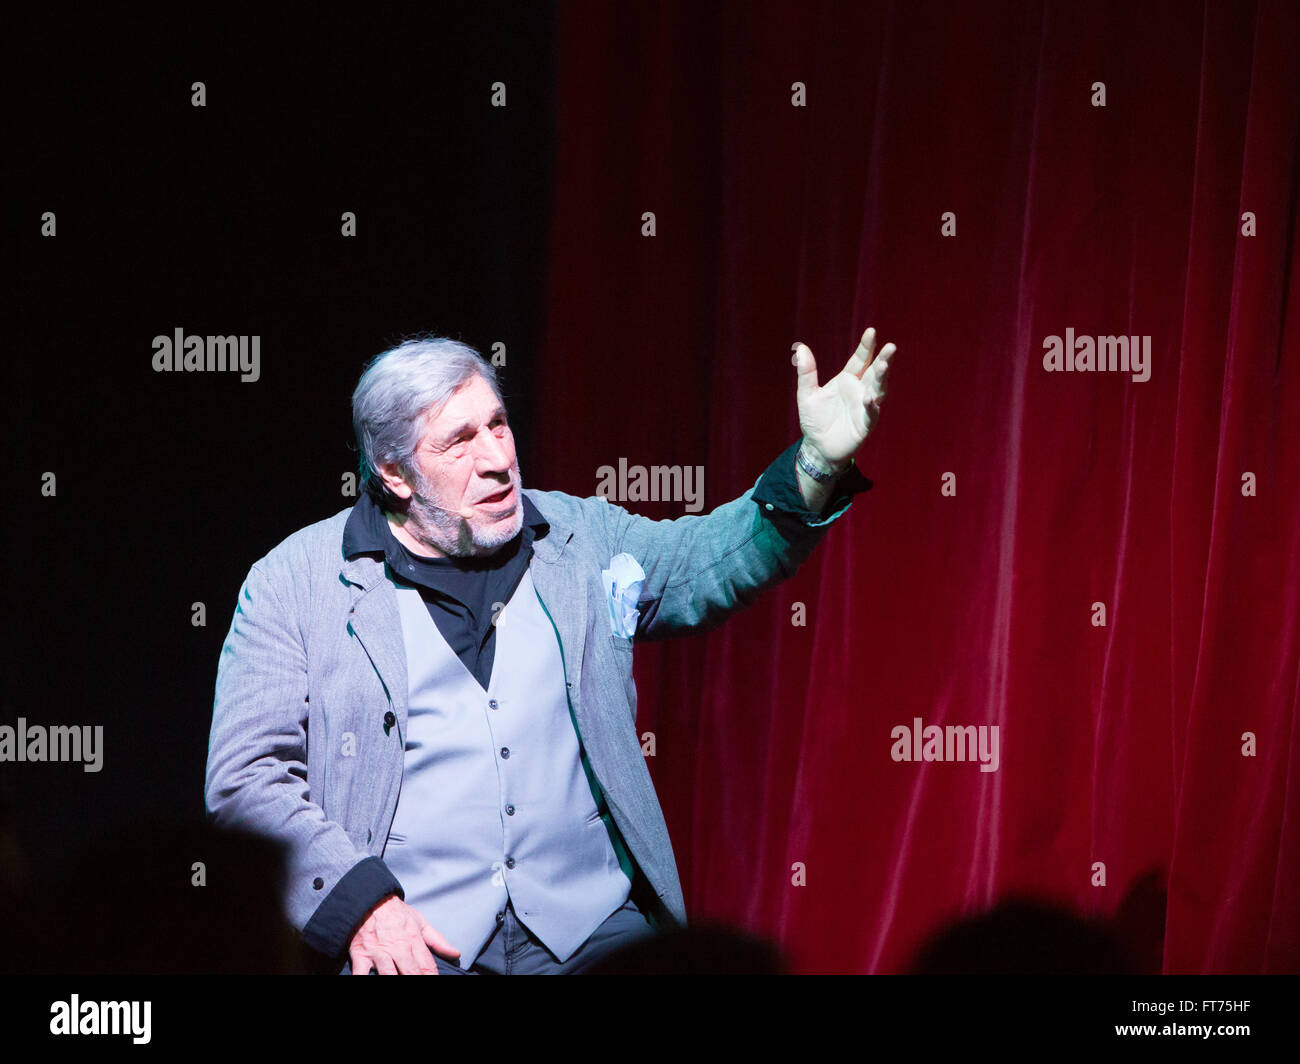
(467, 495)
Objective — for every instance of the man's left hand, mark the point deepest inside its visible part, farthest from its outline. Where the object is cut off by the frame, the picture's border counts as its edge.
(836, 417)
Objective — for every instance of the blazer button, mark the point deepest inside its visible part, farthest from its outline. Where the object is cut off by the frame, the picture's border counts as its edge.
(510, 862)
(510, 810)
(367, 836)
(317, 883)
(389, 720)
(505, 751)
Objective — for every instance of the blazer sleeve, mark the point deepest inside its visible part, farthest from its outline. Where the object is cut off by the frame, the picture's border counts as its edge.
(702, 568)
(256, 776)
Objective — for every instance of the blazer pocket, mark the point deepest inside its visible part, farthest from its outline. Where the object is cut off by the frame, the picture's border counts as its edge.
(621, 642)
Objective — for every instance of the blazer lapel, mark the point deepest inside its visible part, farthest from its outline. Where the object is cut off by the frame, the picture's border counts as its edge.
(374, 620)
(562, 590)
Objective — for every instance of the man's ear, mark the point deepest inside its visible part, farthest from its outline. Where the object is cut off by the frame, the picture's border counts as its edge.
(391, 474)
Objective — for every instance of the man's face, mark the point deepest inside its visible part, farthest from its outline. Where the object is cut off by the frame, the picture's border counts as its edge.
(467, 496)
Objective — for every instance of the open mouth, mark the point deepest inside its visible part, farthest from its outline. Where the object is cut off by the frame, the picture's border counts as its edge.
(500, 496)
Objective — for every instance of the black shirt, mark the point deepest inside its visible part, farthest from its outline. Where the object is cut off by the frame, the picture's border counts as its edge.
(460, 593)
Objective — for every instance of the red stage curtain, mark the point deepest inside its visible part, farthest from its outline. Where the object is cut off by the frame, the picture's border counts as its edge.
(1121, 746)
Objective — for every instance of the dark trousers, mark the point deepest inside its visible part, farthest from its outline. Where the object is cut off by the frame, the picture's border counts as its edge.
(514, 950)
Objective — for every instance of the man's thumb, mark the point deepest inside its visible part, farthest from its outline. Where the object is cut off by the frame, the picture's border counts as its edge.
(805, 367)
(433, 938)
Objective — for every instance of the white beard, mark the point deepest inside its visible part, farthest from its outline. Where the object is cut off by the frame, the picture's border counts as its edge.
(444, 530)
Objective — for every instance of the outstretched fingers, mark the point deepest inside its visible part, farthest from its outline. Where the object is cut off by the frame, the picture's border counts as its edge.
(879, 380)
(861, 357)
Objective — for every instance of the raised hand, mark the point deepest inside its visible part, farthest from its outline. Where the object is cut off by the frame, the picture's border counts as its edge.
(836, 417)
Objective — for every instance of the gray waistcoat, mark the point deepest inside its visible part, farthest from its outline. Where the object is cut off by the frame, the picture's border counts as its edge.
(494, 801)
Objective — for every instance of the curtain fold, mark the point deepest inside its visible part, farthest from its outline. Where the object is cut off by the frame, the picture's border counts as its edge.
(1106, 569)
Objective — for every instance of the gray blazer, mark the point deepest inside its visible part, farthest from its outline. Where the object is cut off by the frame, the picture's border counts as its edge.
(310, 709)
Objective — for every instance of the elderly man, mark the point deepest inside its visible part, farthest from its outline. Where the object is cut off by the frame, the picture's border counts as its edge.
(429, 698)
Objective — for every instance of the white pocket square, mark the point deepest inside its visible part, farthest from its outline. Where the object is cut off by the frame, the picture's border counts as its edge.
(623, 581)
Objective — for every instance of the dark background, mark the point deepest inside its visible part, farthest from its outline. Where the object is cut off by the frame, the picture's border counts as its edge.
(226, 220)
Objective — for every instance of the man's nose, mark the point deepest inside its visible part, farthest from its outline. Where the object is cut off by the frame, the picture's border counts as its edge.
(492, 455)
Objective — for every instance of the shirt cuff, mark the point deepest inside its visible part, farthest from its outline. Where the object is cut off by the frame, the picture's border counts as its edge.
(336, 919)
(777, 491)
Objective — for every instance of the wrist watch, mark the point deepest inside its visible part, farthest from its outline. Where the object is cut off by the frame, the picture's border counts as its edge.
(818, 475)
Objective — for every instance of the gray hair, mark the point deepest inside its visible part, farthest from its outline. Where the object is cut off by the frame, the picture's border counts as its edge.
(395, 392)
